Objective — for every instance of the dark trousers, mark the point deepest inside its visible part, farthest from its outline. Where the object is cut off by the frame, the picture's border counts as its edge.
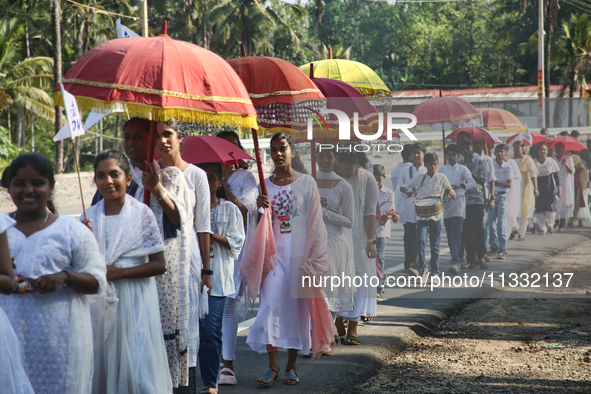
(473, 233)
(192, 387)
(410, 245)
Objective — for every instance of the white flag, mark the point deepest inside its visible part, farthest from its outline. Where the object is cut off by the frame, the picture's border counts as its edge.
(73, 128)
(124, 31)
(528, 137)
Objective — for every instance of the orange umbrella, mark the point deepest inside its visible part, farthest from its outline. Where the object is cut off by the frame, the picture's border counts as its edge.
(496, 119)
(159, 78)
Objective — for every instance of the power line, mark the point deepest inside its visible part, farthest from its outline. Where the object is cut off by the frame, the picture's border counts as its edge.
(581, 7)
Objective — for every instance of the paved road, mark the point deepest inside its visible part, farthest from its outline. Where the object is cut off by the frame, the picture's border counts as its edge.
(403, 316)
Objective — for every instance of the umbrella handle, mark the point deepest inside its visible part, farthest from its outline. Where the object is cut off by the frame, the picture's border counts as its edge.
(150, 158)
(257, 156)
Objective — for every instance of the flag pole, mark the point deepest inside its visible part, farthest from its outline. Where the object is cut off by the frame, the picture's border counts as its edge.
(79, 179)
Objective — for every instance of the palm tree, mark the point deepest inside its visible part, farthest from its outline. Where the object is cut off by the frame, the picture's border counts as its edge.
(320, 5)
(25, 82)
(573, 52)
(338, 52)
(251, 22)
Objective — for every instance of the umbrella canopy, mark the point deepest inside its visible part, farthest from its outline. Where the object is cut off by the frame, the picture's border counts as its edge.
(476, 134)
(570, 143)
(496, 119)
(344, 97)
(279, 90)
(446, 113)
(199, 149)
(159, 78)
(356, 74)
(536, 137)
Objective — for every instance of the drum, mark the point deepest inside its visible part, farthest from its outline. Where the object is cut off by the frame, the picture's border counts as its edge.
(428, 206)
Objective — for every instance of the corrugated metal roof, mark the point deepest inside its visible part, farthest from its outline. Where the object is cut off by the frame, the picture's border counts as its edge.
(515, 93)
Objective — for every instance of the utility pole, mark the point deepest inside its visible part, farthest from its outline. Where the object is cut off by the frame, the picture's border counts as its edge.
(144, 18)
(541, 112)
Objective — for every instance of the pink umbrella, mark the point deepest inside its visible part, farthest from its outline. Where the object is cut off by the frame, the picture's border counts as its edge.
(199, 149)
(450, 112)
(476, 134)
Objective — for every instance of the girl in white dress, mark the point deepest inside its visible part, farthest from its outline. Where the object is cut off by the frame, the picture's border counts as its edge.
(13, 378)
(53, 324)
(240, 187)
(130, 356)
(169, 143)
(284, 315)
(226, 243)
(336, 196)
(566, 205)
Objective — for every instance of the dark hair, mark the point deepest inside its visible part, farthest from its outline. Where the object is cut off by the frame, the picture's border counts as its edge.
(348, 157)
(362, 159)
(296, 161)
(518, 143)
(379, 170)
(217, 168)
(420, 146)
(575, 133)
(4, 181)
(464, 133)
(406, 151)
(39, 163)
(543, 130)
(429, 157)
(467, 143)
(543, 144)
(145, 124)
(502, 147)
(332, 149)
(231, 133)
(563, 133)
(119, 158)
(558, 143)
(452, 148)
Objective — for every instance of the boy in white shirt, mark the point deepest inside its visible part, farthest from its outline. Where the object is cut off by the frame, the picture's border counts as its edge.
(428, 185)
(454, 211)
(498, 218)
(383, 225)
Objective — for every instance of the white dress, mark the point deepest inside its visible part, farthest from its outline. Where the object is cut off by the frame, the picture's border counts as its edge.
(338, 214)
(130, 355)
(283, 321)
(54, 330)
(13, 378)
(566, 204)
(243, 186)
(514, 195)
(198, 206)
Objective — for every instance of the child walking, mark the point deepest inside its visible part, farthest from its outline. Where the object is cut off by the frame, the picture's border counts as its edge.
(226, 243)
(383, 224)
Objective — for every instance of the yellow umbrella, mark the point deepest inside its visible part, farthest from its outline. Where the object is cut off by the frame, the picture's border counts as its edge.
(356, 74)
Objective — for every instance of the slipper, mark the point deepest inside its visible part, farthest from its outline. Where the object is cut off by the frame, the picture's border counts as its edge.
(366, 319)
(227, 380)
(291, 375)
(521, 238)
(512, 236)
(268, 378)
(352, 340)
(340, 339)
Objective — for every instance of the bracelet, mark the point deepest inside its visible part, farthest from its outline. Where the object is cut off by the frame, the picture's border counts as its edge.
(69, 280)
(162, 197)
(206, 272)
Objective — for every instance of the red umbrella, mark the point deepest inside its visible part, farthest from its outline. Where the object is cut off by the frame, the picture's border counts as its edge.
(199, 149)
(281, 93)
(570, 143)
(476, 134)
(536, 137)
(159, 78)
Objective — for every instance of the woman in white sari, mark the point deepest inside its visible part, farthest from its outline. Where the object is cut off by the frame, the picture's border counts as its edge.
(566, 175)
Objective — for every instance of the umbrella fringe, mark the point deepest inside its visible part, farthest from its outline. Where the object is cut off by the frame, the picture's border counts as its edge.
(164, 114)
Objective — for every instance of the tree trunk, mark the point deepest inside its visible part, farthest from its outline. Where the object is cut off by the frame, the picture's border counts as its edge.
(319, 14)
(20, 126)
(550, 20)
(56, 15)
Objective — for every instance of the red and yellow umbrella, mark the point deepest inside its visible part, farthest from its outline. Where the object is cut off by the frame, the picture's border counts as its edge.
(496, 119)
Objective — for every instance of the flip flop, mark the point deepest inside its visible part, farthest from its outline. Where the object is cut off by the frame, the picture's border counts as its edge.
(366, 319)
(350, 340)
(268, 377)
(291, 375)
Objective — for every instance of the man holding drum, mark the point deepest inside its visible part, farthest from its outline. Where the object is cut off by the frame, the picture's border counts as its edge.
(429, 209)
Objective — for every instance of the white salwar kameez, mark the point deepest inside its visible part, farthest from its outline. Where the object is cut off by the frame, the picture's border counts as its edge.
(566, 205)
(55, 330)
(283, 321)
(514, 195)
(13, 378)
(130, 355)
(198, 207)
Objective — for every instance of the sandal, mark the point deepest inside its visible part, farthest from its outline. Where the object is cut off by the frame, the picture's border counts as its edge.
(521, 238)
(268, 378)
(229, 379)
(366, 319)
(290, 375)
(352, 340)
(468, 266)
(512, 236)
(206, 390)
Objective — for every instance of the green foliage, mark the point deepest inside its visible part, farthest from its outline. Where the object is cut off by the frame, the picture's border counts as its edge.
(8, 150)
